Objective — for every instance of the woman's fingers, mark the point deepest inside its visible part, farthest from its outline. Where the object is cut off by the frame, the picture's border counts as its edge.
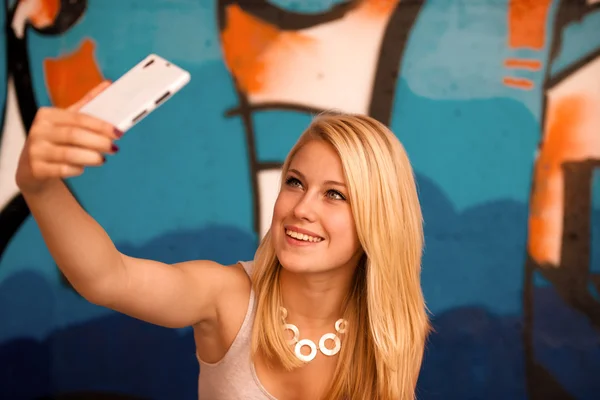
(47, 152)
(73, 136)
(46, 170)
(53, 118)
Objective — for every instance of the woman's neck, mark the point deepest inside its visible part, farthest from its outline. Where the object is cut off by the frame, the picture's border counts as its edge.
(315, 300)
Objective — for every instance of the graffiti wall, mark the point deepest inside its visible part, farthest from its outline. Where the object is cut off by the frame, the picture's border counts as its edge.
(497, 103)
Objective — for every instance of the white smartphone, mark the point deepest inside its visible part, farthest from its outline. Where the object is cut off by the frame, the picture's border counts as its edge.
(138, 92)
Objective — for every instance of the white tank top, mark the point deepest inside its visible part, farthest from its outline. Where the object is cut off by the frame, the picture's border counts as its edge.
(234, 376)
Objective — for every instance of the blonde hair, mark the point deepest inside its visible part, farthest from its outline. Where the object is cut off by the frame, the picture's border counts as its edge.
(388, 324)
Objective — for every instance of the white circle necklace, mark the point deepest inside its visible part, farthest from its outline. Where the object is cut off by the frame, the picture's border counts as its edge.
(340, 328)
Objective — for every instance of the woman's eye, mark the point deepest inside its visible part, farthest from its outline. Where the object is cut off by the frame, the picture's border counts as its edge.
(293, 182)
(335, 195)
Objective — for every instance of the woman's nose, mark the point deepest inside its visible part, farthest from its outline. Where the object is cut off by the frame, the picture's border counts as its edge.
(305, 208)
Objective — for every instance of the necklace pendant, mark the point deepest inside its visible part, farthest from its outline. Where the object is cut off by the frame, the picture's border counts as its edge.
(294, 329)
(311, 345)
(341, 325)
(337, 344)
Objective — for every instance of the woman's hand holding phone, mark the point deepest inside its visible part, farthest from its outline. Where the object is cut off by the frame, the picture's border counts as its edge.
(62, 143)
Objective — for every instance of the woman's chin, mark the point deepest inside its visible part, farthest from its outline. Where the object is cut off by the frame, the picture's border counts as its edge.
(296, 263)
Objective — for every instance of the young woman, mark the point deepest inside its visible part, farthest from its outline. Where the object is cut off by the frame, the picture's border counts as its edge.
(331, 307)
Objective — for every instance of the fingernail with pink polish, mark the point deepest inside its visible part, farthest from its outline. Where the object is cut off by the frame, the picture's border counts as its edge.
(114, 148)
(118, 133)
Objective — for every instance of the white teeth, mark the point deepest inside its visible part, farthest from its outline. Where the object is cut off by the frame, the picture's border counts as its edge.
(300, 236)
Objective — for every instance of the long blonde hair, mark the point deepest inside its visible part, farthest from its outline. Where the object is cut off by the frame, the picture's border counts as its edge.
(388, 323)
